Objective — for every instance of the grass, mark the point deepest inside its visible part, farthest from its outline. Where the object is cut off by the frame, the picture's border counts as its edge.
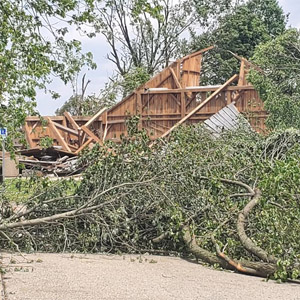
(20, 190)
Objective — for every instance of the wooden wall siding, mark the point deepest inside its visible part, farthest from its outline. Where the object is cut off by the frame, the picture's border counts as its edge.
(162, 102)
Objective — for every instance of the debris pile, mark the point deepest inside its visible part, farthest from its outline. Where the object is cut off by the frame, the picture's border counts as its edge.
(48, 161)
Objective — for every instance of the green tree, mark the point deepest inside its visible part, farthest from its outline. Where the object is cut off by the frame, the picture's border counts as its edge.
(115, 89)
(143, 33)
(279, 84)
(148, 33)
(81, 105)
(34, 45)
(240, 31)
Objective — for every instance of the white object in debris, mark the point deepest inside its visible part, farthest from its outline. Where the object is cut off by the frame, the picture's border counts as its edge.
(157, 89)
(203, 87)
(228, 118)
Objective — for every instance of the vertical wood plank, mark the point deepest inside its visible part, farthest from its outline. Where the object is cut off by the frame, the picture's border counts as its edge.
(242, 73)
(139, 109)
(182, 106)
(28, 135)
(64, 123)
(228, 97)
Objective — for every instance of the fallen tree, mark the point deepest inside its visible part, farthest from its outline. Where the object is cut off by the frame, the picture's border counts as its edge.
(230, 201)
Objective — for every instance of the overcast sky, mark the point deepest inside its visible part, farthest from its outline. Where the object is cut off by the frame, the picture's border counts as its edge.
(98, 77)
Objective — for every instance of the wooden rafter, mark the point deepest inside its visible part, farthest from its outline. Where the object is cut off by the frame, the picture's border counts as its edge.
(71, 120)
(66, 129)
(91, 134)
(175, 91)
(95, 117)
(83, 146)
(175, 78)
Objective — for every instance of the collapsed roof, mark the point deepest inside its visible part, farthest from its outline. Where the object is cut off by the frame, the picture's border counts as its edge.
(169, 99)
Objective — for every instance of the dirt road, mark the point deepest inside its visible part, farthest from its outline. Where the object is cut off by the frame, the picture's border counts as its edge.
(97, 277)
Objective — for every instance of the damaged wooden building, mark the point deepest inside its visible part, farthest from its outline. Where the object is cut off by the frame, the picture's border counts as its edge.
(171, 98)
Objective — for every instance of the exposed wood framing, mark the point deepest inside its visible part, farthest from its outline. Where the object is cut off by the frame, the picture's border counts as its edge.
(57, 135)
(166, 101)
(182, 104)
(91, 134)
(175, 79)
(71, 120)
(232, 79)
(28, 137)
(83, 146)
(95, 117)
(66, 129)
(139, 109)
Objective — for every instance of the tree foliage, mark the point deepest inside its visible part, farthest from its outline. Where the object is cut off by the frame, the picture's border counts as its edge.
(134, 199)
(143, 33)
(117, 88)
(239, 31)
(148, 34)
(279, 84)
(33, 46)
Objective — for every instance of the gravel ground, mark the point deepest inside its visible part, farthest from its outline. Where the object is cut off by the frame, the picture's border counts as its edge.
(95, 277)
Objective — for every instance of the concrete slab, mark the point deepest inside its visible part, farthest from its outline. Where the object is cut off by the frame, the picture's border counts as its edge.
(94, 277)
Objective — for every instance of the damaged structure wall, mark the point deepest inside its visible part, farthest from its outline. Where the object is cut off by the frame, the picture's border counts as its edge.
(169, 99)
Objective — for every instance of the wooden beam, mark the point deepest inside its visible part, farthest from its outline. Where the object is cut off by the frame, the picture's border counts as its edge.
(82, 137)
(232, 79)
(198, 52)
(228, 97)
(71, 120)
(28, 137)
(175, 99)
(58, 118)
(91, 134)
(190, 101)
(148, 100)
(57, 135)
(155, 128)
(182, 106)
(84, 145)
(199, 89)
(242, 74)
(34, 126)
(64, 123)
(138, 103)
(95, 117)
(175, 78)
(104, 117)
(139, 109)
(73, 147)
(107, 128)
(247, 62)
(37, 118)
(66, 129)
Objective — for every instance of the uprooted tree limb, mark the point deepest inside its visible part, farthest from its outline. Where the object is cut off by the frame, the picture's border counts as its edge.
(245, 240)
(84, 209)
(263, 269)
(247, 267)
(191, 195)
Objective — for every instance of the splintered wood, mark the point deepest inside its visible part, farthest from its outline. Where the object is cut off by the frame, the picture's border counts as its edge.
(169, 99)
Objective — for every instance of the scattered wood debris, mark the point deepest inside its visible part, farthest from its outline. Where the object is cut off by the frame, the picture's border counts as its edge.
(48, 161)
